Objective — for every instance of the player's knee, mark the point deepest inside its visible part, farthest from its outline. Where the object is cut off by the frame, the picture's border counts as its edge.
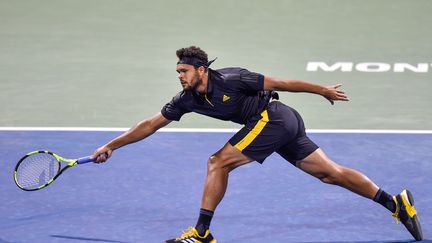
(214, 163)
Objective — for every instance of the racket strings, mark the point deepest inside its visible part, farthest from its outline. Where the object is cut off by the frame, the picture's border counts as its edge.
(37, 170)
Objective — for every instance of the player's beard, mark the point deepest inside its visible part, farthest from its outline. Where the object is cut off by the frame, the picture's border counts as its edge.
(194, 84)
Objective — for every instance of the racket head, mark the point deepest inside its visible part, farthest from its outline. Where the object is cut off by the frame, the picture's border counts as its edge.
(36, 170)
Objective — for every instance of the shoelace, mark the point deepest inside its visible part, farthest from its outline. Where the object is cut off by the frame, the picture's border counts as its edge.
(410, 210)
(186, 234)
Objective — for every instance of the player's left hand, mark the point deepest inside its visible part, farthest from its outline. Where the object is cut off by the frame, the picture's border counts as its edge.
(333, 93)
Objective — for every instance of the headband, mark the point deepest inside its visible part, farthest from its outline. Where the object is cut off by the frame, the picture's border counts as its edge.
(196, 62)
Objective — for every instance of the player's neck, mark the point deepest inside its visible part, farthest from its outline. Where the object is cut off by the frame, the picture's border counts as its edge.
(203, 86)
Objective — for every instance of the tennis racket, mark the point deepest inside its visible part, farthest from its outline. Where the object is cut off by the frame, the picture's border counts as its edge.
(38, 169)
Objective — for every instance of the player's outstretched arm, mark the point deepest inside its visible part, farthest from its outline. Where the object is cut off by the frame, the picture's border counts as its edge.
(138, 132)
(331, 93)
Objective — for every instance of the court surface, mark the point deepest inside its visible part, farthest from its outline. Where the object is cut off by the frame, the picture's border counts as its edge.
(150, 191)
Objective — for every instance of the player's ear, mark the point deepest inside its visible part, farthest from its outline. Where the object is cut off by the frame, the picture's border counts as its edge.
(201, 70)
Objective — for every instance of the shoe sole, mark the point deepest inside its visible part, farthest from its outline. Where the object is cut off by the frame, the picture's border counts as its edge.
(416, 232)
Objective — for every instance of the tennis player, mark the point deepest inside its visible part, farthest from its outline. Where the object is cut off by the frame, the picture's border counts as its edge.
(249, 98)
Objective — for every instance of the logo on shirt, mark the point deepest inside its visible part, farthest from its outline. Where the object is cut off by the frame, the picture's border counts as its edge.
(225, 98)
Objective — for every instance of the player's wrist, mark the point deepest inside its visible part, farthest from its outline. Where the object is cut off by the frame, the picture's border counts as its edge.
(322, 91)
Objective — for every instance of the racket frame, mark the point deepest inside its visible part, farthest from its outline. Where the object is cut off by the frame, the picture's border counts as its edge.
(70, 163)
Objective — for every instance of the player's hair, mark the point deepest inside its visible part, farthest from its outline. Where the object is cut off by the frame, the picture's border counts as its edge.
(192, 52)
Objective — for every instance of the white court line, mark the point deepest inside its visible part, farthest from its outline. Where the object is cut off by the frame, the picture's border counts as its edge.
(211, 130)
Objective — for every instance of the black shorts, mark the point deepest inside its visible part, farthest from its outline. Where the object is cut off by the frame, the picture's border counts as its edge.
(279, 129)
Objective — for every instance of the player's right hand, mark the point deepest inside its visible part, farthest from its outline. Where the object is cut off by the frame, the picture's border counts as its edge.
(102, 154)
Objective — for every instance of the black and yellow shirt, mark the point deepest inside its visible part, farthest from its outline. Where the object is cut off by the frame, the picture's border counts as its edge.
(233, 94)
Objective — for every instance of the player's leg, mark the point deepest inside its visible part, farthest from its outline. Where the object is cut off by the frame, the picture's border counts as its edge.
(306, 155)
(401, 205)
(254, 142)
(218, 167)
(320, 166)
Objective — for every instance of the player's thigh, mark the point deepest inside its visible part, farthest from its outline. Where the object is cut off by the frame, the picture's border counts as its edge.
(318, 164)
(228, 157)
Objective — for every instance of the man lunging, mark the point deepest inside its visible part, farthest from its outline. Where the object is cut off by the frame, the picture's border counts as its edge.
(249, 98)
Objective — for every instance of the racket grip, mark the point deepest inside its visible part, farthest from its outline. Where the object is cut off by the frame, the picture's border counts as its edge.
(88, 159)
(84, 160)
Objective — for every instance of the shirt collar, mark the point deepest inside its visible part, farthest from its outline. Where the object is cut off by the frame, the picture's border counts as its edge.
(210, 85)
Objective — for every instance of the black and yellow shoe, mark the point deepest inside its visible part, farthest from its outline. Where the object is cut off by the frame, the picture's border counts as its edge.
(192, 236)
(407, 214)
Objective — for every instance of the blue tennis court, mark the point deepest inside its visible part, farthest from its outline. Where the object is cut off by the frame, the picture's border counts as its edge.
(110, 64)
(150, 191)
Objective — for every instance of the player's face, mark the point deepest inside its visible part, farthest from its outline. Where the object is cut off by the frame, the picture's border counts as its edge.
(189, 76)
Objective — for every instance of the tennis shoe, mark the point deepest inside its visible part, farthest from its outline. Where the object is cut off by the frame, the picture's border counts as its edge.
(407, 214)
(191, 236)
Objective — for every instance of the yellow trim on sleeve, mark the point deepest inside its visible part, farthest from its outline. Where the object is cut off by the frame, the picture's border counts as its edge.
(250, 137)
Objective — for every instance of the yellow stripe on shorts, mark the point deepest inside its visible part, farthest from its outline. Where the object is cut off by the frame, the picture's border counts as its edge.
(250, 137)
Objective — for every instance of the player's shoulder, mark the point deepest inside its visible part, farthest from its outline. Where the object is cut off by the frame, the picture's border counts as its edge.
(230, 73)
(183, 99)
(230, 70)
(183, 95)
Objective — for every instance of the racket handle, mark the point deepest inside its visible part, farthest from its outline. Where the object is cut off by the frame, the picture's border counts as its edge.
(88, 159)
(84, 160)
